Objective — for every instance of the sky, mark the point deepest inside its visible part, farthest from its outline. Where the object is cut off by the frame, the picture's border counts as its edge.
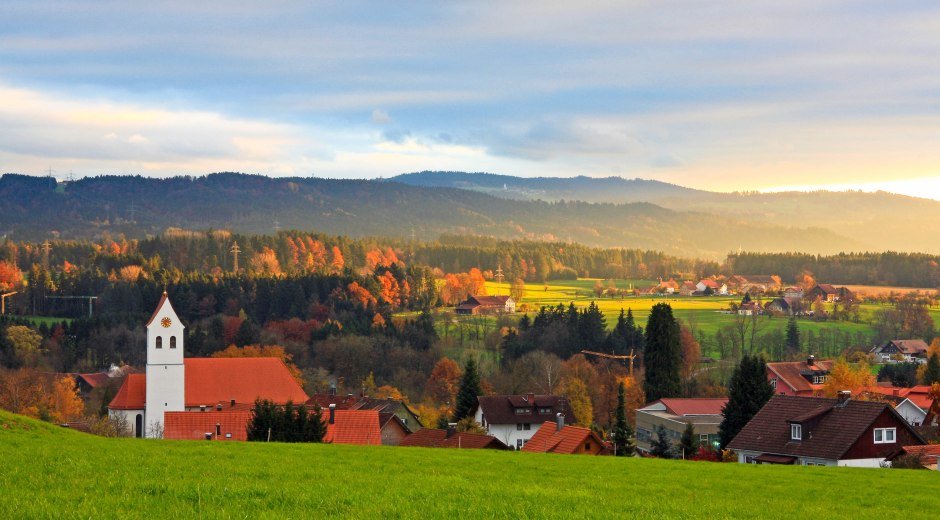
(749, 95)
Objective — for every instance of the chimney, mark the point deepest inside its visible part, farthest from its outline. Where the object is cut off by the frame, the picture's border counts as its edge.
(232, 402)
(202, 408)
(811, 360)
(208, 436)
(332, 389)
(844, 396)
(218, 429)
(218, 407)
(530, 398)
(560, 421)
(332, 413)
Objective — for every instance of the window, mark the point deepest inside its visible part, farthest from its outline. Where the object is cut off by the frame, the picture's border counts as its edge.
(518, 427)
(587, 446)
(523, 411)
(885, 435)
(796, 432)
(703, 438)
(172, 341)
(773, 383)
(159, 341)
(643, 435)
(545, 410)
(519, 444)
(526, 426)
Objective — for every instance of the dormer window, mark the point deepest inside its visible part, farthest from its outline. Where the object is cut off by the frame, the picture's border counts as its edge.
(523, 411)
(159, 341)
(172, 341)
(796, 432)
(544, 410)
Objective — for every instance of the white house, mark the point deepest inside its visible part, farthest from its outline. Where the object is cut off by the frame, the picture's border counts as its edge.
(514, 419)
(716, 286)
(171, 398)
(911, 413)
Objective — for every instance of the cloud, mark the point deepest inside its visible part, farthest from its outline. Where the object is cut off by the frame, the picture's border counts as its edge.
(380, 117)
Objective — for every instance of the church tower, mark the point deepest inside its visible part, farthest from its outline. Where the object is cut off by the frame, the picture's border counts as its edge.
(165, 371)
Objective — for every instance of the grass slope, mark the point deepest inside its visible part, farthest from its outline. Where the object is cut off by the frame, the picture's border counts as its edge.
(49, 472)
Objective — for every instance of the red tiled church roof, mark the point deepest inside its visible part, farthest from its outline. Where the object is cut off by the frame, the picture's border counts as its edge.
(210, 381)
(353, 427)
(195, 425)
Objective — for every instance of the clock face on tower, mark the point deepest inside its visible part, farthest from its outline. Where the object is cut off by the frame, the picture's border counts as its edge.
(166, 322)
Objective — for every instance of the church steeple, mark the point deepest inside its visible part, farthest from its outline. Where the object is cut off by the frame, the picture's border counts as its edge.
(165, 370)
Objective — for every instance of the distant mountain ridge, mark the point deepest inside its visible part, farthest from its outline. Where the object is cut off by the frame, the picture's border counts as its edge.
(36, 208)
(880, 221)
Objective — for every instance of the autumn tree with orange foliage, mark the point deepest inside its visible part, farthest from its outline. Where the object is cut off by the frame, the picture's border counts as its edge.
(10, 276)
(29, 392)
(691, 354)
(258, 351)
(265, 262)
(360, 294)
(338, 261)
(444, 381)
(846, 377)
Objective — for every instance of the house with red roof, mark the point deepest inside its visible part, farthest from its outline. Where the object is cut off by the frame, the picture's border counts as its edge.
(450, 438)
(513, 419)
(558, 437)
(176, 385)
(353, 427)
(704, 414)
(803, 378)
(812, 431)
(714, 286)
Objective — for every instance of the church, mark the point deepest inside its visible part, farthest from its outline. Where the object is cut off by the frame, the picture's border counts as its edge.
(196, 398)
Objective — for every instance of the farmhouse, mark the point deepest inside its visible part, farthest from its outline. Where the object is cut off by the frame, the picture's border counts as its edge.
(705, 414)
(779, 306)
(687, 288)
(810, 431)
(487, 305)
(902, 350)
(752, 283)
(510, 418)
(405, 415)
(709, 284)
(830, 293)
(176, 385)
(557, 437)
(803, 378)
(749, 307)
(450, 438)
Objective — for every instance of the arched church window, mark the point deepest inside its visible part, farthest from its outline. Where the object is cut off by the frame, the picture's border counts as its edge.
(172, 341)
(159, 341)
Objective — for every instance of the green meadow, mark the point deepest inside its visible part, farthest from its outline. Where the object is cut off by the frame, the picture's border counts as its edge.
(50, 472)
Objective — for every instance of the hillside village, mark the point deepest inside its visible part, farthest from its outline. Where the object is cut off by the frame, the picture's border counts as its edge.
(219, 399)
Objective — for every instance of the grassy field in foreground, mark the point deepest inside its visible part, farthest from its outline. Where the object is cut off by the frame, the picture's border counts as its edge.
(48, 472)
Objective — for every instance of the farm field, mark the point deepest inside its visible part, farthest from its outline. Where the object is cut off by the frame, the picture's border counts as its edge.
(49, 472)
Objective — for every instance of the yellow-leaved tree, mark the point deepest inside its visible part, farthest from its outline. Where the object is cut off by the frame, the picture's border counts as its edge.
(844, 376)
(579, 401)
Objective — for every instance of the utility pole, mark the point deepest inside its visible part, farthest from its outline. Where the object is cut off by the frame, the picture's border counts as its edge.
(413, 235)
(3, 301)
(49, 172)
(89, 298)
(631, 357)
(499, 274)
(46, 248)
(235, 250)
(132, 211)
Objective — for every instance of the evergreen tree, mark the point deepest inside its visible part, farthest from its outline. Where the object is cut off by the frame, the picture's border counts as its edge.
(592, 328)
(622, 434)
(663, 355)
(689, 442)
(524, 323)
(793, 336)
(932, 370)
(469, 390)
(748, 392)
(662, 448)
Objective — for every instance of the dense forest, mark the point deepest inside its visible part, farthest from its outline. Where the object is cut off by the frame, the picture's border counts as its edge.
(137, 207)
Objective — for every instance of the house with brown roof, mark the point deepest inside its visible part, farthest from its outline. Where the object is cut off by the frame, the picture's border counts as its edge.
(487, 305)
(803, 378)
(709, 284)
(687, 288)
(514, 419)
(670, 286)
(829, 293)
(558, 437)
(705, 415)
(755, 283)
(810, 431)
(450, 438)
(901, 351)
(174, 384)
(749, 307)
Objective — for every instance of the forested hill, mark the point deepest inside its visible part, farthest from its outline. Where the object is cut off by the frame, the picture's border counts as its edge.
(36, 208)
(883, 221)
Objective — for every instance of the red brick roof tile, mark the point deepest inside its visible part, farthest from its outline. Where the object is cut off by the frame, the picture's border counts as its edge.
(435, 438)
(353, 427)
(567, 440)
(195, 425)
(132, 394)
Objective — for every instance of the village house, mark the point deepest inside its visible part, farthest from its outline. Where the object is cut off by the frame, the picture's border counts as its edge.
(929, 454)
(778, 307)
(755, 284)
(829, 293)
(670, 286)
(803, 378)
(687, 289)
(901, 351)
(911, 403)
(174, 385)
(749, 307)
(793, 293)
(716, 287)
(487, 305)
(360, 427)
(704, 414)
(514, 419)
(450, 438)
(809, 431)
(557, 437)
(406, 416)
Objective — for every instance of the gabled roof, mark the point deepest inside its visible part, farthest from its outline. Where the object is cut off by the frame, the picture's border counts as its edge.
(501, 409)
(132, 394)
(549, 439)
(826, 288)
(164, 300)
(692, 406)
(94, 380)
(195, 425)
(708, 282)
(834, 427)
(435, 438)
(790, 372)
(484, 301)
(910, 346)
(353, 427)
(210, 381)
